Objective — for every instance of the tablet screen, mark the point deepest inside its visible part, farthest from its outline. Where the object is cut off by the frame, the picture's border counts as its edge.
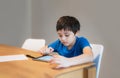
(44, 58)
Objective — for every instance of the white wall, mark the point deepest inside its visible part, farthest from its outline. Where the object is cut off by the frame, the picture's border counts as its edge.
(99, 20)
(15, 21)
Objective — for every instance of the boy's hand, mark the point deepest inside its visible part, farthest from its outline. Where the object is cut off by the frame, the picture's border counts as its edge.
(61, 61)
(45, 50)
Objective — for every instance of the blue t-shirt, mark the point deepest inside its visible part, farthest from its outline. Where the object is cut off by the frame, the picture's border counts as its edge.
(77, 49)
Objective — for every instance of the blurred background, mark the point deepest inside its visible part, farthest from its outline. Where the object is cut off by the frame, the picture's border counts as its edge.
(100, 23)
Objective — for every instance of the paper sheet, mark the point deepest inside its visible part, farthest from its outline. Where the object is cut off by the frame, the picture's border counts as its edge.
(13, 57)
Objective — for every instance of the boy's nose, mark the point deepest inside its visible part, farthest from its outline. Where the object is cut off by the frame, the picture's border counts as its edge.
(63, 38)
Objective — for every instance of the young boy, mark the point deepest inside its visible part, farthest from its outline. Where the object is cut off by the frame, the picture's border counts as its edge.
(71, 49)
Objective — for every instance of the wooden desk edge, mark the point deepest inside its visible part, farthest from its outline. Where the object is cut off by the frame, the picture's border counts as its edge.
(85, 67)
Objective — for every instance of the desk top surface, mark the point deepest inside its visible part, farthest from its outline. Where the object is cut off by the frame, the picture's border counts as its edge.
(29, 68)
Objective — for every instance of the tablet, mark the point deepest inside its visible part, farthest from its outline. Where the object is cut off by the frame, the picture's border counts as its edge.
(45, 58)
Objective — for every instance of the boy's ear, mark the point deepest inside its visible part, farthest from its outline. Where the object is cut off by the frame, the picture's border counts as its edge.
(77, 33)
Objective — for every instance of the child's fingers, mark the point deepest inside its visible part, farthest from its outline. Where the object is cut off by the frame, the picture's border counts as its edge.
(51, 49)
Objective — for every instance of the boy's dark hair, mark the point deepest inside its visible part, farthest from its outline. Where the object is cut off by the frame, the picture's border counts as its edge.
(68, 23)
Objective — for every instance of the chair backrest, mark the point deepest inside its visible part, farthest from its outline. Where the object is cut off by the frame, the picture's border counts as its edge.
(97, 52)
(33, 44)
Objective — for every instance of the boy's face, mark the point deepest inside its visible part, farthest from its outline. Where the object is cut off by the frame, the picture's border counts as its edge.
(66, 37)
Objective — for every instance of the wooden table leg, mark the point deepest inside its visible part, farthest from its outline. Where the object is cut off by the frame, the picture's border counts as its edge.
(90, 72)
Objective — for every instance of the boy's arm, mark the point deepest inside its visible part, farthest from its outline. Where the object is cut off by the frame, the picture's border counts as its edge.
(87, 56)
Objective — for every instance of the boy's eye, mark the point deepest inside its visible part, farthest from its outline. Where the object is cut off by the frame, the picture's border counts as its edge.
(67, 35)
(60, 35)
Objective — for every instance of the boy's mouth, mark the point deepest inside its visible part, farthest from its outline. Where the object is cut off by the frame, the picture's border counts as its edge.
(64, 43)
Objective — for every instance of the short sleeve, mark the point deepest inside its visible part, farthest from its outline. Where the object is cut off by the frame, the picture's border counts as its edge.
(84, 42)
(54, 44)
